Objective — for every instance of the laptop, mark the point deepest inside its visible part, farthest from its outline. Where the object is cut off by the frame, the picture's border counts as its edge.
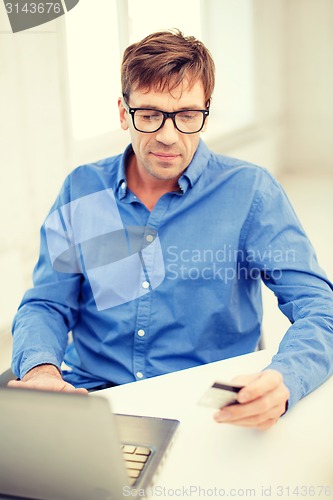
(65, 446)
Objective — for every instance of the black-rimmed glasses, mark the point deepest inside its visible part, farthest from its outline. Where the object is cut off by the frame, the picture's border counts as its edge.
(147, 120)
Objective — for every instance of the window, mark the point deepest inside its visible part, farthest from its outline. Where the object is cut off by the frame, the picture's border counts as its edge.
(93, 56)
(228, 33)
(147, 16)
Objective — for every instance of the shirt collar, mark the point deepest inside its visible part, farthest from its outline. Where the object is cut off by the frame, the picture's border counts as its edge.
(121, 177)
(186, 180)
(195, 168)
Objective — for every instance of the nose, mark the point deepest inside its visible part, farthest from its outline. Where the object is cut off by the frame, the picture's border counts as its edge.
(168, 134)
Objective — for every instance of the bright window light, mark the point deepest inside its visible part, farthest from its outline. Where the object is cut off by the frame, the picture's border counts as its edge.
(231, 44)
(147, 16)
(93, 66)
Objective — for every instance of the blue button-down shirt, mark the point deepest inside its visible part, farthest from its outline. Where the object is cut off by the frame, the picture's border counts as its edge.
(149, 292)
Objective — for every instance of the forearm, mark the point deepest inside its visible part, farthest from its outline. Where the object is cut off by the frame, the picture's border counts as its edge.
(42, 369)
(305, 355)
(40, 337)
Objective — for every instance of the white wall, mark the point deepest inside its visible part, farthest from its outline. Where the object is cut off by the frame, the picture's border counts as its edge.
(293, 129)
(261, 141)
(33, 131)
(309, 86)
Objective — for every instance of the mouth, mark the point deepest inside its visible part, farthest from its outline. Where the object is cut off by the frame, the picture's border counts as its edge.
(165, 156)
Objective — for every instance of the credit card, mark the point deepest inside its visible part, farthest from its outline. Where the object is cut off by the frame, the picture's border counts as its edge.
(220, 394)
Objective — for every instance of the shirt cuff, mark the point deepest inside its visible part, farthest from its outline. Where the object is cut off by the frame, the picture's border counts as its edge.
(36, 359)
(290, 380)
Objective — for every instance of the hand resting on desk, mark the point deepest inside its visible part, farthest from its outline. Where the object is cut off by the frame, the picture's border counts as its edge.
(47, 378)
(263, 401)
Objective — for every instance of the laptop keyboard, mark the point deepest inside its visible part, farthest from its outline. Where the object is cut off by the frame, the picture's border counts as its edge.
(135, 459)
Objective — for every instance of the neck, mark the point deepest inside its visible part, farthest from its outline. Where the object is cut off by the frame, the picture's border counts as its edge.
(145, 186)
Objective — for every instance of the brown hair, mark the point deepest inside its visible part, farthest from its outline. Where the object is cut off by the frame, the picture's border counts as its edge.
(163, 60)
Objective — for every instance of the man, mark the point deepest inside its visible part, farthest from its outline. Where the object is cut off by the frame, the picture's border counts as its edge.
(154, 259)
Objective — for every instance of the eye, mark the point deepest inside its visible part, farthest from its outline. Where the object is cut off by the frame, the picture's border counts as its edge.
(148, 115)
(188, 116)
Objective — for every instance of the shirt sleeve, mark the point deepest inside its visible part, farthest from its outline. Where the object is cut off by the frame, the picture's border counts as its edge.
(49, 310)
(279, 250)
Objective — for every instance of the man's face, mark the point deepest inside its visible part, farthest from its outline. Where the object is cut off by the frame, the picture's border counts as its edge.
(164, 154)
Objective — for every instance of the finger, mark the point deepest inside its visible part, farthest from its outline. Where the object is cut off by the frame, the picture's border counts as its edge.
(81, 390)
(70, 388)
(272, 404)
(265, 382)
(56, 386)
(15, 383)
(263, 426)
(267, 424)
(252, 412)
(253, 420)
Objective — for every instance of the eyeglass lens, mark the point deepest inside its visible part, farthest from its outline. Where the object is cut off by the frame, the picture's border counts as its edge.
(149, 120)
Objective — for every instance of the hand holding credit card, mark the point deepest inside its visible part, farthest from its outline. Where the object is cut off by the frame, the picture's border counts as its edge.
(220, 394)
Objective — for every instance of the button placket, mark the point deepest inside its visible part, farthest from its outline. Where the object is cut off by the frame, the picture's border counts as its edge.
(144, 302)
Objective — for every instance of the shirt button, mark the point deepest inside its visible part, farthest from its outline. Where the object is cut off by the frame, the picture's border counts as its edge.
(123, 185)
(150, 238)
(141, 333)
(139, 374)
(145, 284)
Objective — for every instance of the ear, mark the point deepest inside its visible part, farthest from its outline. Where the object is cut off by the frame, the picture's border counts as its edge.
(205, 125)
(122, 114)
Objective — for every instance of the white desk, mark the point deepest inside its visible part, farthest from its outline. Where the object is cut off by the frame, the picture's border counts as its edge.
(230, 461)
